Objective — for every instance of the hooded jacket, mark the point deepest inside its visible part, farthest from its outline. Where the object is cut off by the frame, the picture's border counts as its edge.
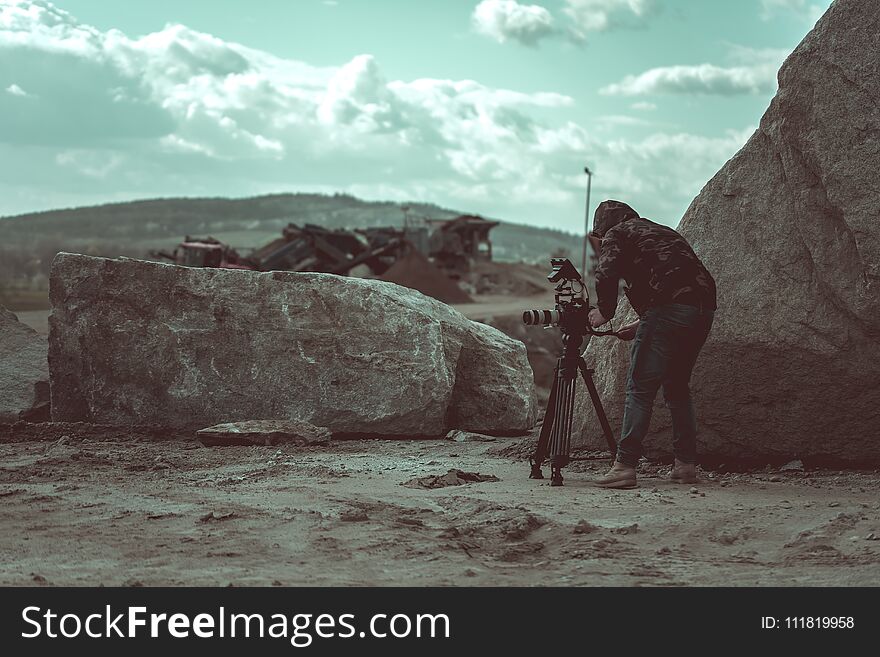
(657, 263)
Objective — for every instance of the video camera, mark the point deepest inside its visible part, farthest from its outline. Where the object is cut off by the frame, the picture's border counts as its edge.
(572, 302)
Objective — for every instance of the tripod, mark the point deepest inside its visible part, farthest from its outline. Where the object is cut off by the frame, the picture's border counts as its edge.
(555, 434)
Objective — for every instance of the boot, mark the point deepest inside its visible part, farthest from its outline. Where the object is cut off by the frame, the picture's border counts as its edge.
(619, 476)
(683, 473)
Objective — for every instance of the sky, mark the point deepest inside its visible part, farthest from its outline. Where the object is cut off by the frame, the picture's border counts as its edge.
(492, 107)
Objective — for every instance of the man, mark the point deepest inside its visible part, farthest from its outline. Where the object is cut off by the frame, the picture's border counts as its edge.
(674, 296)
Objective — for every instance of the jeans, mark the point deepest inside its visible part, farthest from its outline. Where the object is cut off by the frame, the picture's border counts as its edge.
(665, 348)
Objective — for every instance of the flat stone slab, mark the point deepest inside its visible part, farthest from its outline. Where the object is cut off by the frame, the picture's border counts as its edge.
(264, 432)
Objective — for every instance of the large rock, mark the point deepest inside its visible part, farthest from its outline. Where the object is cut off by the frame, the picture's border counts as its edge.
(24, 373)
(789, 228)
(134, 342)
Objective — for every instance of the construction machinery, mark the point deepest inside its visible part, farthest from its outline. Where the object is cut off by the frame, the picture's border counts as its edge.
(456, 243)
(207, 252)
(314, 248)
(451, 244)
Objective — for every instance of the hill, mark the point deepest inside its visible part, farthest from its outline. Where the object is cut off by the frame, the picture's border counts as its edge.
(28, 242)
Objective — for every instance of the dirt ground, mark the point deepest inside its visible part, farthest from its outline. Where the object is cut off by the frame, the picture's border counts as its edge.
(108, 507)
(90, 507)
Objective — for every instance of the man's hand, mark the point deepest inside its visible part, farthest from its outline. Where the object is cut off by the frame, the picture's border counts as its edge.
(628, 332)
(596, 318)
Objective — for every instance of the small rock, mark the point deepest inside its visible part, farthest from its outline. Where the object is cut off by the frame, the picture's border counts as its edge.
(629, 529)
(460, 436)
(414, 522)
(64, 440)
(452, 478)
(213, 516)
(584, 527)
(775, 478)
(39, 579)
(694, 491)
(354, 515)
(470, 572)
(160, 516)
(833, 504)
(872, 537)
(521, 527)
(793, 466)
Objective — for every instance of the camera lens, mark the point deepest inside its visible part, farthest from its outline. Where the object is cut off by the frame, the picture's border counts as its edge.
(541, 317)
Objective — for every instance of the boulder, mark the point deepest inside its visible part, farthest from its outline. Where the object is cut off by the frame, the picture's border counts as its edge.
(24, 373)
(542, 345)
(790, 228)
(133, 342)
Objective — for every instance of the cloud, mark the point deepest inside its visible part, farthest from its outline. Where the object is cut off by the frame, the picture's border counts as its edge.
(508, 20)
(621, 120)
(802, 8)
(94, 164)
(191, 110)
(665, 170)
(755, 74)
(14, 90)
(643, 106)
(182, 112)
(700, 79)
(602, 15)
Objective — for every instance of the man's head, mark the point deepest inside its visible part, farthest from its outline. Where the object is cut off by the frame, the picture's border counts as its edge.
(609, 214)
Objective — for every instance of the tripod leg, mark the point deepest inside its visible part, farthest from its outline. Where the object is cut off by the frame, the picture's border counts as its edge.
(597, 404)
(560, 437)
(540, 452)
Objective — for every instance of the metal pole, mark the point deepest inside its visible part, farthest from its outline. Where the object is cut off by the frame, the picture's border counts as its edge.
(586, 221)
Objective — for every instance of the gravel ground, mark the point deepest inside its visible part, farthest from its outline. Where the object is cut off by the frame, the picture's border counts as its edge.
(88, 505)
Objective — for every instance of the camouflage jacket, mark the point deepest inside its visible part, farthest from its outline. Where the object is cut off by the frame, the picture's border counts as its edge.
(657, 263)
